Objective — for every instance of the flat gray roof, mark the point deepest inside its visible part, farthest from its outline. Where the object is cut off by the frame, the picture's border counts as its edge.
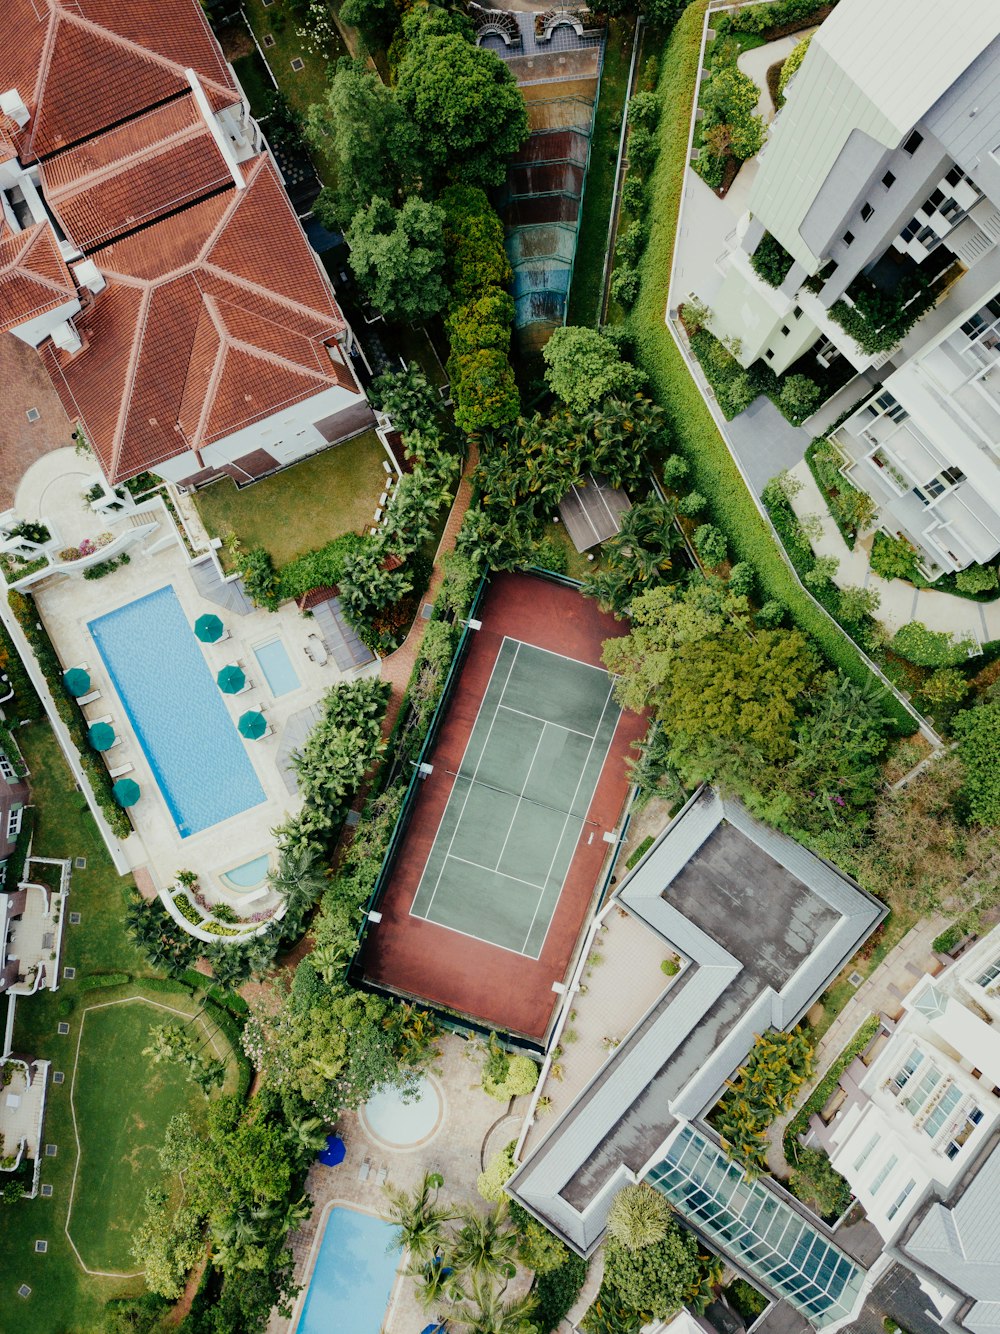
(762, 925)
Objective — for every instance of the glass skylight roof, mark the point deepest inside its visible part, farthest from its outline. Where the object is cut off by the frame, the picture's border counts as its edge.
(757, 1229)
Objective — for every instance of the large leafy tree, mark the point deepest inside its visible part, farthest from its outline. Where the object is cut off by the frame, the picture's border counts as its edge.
(639, 1216)
(464, 104)
(370, 137)
(397, 255)
(978, 732)
(654, 1281)
(584, 367)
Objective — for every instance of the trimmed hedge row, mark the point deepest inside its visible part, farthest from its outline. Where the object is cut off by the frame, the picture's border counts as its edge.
(231, 1028)
(713, 471)
(25, 703)
(98, 981)
(101, 781)
(16, 860)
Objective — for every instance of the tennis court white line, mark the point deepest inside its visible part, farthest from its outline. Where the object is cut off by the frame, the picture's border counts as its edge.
(537, 648)
(493, 871)
(547, 723)
(461, 814)
(520, 796)
(569, 815)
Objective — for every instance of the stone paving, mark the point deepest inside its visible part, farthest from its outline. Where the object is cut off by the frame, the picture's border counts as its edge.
(23, 385)
(899, 602)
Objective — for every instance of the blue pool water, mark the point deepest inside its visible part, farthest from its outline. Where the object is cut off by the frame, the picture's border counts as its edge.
(251, 875)
(352, 1281)
(277, 667)
(176, 711)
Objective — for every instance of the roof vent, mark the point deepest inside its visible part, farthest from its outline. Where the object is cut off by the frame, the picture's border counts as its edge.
(12, 105)
(88, 275)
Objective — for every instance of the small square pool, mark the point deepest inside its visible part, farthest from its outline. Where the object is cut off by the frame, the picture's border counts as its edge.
(273, 660)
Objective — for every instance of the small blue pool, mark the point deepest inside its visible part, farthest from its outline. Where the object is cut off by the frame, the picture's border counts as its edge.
(353, 1277)
(251, 875)
(277, 667)
(176, 711)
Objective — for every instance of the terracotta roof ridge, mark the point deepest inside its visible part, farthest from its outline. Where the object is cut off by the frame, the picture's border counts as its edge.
(144, 152)
(278, 298)
(43, 69)
(118, 438)
(214, 378)
(124, 43)
(19, 264)
(276, 359)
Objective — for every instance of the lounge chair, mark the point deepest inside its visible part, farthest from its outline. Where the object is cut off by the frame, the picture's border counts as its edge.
(121, 770)
(92, 698)
(383, 1172)
(365, 1168)
(79, 667)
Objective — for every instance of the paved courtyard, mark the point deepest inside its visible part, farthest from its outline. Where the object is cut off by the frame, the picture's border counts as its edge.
(24, 385)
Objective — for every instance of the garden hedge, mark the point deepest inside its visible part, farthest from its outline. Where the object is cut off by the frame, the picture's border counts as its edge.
(101, 781)
(98, 981)
(820, 1095)
(25, 704)
(713, 471)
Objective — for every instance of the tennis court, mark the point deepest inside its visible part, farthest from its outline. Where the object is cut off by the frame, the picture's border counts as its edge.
(518, 806)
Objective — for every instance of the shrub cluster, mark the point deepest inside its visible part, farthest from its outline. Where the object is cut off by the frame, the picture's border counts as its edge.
(481, 312)
(771, 261)
(778, 19)
(930, 648)
(101, 782)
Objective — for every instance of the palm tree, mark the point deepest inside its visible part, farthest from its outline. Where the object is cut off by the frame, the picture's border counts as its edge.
(484, 1246)
(436, 1282)
(488, 1313)
(419, 1219)
(639, 1216)
(307, 1135)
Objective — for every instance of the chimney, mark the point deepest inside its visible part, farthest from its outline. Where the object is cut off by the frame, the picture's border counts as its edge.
(64, 335)
(87, 274)
(11, 105)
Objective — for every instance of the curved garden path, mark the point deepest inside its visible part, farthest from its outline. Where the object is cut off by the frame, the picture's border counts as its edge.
(899, 602)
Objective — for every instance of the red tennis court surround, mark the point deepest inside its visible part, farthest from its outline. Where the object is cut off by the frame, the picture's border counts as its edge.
(440, 965)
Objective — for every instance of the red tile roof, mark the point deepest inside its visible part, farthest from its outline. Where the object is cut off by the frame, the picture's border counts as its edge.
(33, 275)
(152, 164)
(82, 65)
(212, 319)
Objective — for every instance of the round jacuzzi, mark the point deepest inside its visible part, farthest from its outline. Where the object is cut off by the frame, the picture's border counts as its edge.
(400, 1120)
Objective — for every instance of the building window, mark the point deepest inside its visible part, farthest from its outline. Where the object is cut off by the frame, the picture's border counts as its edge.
(866, 212)
(866, 1153)
(888, 180)
(990, 976)
(848, 238)
(935, 488)
(913, 143)
(953, 475)
(939, 1115)
(13, 824)
(955, 175)
(908, 1067)
(796, 314)
(882, 1173)
(900, 1199)
(769, 354)
(784, 330)
(7, 769)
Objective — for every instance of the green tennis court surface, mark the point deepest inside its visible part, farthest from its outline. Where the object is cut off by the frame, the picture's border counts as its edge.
(520, 799)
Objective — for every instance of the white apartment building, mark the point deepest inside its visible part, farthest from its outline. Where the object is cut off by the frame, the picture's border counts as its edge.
(917, 1136)
(882, 171)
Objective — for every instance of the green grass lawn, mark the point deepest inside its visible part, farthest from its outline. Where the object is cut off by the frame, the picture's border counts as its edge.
(588, 268)
(713, 471)
(252, 74)
(301, 87)
(64, 1299)
(123, 1104)
(304, 506)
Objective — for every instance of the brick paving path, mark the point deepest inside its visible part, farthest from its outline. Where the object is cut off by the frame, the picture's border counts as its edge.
(397, 666)
(23, 385)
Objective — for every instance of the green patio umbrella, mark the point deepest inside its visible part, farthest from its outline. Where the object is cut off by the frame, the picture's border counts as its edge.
(231, 680)
(252, 725)
(76, 681)
(101, 736)
(127, 792)
(208, 628)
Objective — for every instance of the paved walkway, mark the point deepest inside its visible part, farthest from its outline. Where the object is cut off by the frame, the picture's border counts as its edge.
(878, 994)
(396, 667)
(899, 602)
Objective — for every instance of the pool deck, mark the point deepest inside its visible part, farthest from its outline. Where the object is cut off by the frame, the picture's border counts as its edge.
(473, 1127)
(68, 606)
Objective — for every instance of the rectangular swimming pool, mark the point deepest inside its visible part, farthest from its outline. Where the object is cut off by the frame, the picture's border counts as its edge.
(176, 711)
(277, 667)
(353, 1276)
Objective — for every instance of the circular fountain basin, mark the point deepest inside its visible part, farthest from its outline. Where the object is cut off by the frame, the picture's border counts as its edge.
(400, 1121)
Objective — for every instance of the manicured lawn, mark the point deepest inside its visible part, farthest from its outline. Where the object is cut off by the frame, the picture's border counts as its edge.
(303, 507)
(123, 1104)
(301, 87)
(713, 471)
(64, 1297)
(588, 269)
(252, 74)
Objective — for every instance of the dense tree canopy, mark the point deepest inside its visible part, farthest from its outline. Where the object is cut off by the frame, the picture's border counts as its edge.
(465, 105)
(397, 255)
(584, 367)
(978, 733)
